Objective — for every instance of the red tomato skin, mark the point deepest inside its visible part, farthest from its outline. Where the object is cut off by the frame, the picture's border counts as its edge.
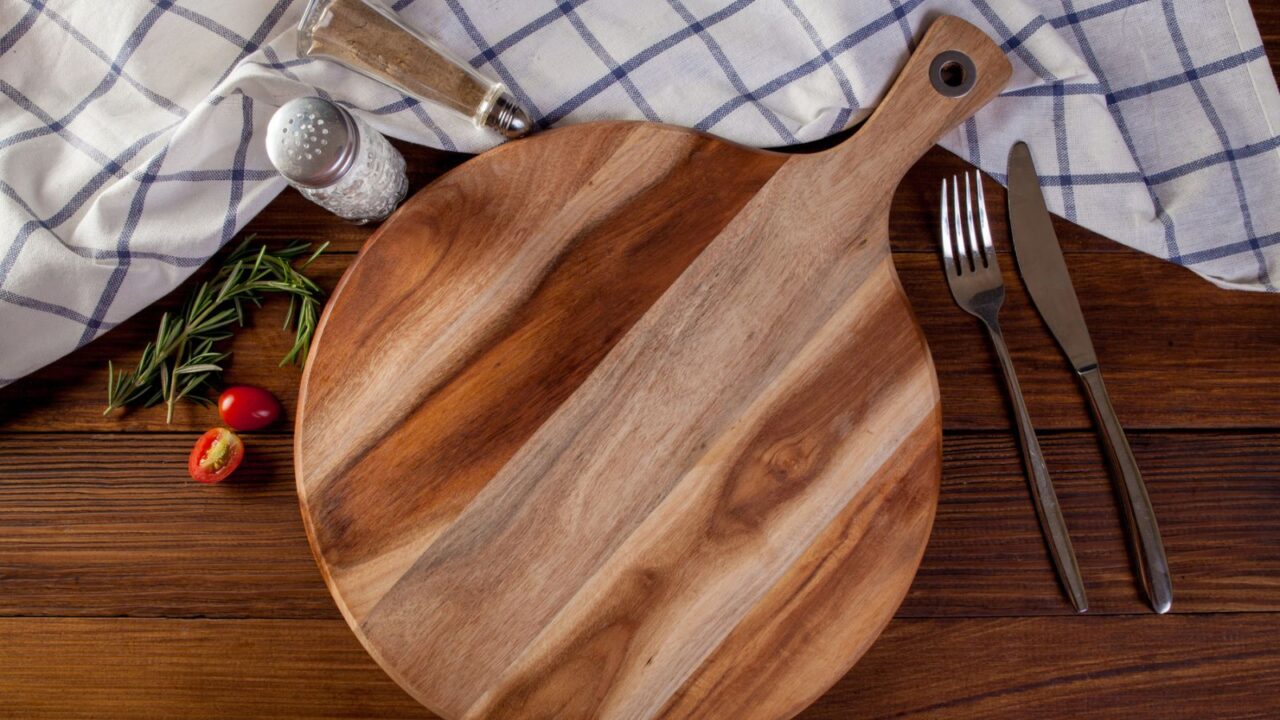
(247, 408)
(202, 446)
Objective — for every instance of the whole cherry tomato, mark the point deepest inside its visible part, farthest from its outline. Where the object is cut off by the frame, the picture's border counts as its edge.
(245, 407)
(216, 455)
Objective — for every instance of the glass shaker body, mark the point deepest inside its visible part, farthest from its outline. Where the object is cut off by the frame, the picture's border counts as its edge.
(336, 160)
(372, 188)
(370, 38)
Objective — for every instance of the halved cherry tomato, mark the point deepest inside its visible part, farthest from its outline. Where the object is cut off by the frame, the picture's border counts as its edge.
(216, 455)
(245, 407)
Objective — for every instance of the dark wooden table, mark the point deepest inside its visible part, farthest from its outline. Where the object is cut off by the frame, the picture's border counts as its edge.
(128, 591)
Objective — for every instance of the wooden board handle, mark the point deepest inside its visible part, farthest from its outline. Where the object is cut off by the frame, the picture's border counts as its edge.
(954, 71)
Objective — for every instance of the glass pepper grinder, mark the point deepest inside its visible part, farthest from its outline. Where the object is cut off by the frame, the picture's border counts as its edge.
(368, 37)
(336, 160)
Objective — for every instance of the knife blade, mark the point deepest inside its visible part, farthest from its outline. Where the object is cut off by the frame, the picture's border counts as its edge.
(1044, 271)
(1041, 263)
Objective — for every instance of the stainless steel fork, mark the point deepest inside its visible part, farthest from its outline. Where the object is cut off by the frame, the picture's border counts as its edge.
(974, 276)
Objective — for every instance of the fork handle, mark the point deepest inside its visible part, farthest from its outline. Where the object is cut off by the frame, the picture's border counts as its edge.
(1144, 534)
(1046, 500)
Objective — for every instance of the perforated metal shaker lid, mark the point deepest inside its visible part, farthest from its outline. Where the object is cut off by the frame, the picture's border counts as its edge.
(312, 142)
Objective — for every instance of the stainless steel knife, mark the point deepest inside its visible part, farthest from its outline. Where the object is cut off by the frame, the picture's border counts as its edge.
(1045, 272)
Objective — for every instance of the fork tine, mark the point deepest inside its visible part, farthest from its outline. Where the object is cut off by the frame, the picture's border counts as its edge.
(948, 255)
(975, 249)
(983, 224)
(962, 246)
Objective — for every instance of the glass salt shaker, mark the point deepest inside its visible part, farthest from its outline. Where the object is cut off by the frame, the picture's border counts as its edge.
(336, 160)
(368, 37)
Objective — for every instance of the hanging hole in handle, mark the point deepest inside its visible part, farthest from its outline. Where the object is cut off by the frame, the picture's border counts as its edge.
(952, 73)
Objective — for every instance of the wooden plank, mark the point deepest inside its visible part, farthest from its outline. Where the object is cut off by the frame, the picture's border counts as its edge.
(1194, 666)
(1214, 495)
(1176, 352)
(109, 524)
(1198, 666)
(166, 668)
(112, 525)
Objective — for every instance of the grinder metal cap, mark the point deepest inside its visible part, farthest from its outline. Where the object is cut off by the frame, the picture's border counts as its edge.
(312, 142)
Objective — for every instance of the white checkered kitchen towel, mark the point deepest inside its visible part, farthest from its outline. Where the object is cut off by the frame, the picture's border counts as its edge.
(131, 148)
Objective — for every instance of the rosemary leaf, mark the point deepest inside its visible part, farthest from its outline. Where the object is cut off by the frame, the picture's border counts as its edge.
(164, 379)
(193, 369)
(288, 316)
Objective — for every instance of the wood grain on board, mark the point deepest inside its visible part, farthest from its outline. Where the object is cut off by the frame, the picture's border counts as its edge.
(636, 433)
(1184, 666)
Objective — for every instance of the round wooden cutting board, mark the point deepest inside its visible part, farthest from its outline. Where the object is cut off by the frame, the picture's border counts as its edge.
(626, 421)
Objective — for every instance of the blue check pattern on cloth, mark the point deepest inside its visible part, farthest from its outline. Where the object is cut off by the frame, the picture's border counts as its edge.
(130, 148)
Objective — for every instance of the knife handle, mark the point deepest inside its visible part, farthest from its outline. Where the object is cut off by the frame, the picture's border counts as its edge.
(1144, 534)
(1049, 511)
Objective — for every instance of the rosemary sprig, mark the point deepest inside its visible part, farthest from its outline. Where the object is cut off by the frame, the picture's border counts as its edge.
(183, 361)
